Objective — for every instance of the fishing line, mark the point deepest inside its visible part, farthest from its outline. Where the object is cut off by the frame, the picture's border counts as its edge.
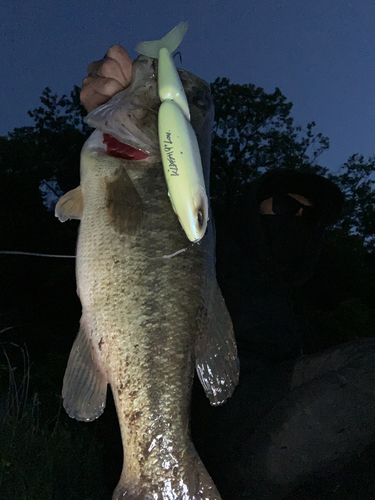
(6, 252)
(181, 251)
(173, 254)
(33, 254)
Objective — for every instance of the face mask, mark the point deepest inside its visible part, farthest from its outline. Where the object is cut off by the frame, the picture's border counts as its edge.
(293, 243)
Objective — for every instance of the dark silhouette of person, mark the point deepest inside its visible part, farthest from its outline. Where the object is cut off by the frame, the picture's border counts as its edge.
(293, 416)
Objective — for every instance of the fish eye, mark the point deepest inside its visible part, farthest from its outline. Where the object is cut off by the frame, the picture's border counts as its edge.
(200, 218)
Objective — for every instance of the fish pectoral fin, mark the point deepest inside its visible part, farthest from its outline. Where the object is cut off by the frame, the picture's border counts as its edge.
(70, 206)
(124, 205)
(217, 363)
(85, 387)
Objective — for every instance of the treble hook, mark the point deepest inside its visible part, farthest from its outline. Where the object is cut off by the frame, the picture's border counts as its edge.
(179, 54)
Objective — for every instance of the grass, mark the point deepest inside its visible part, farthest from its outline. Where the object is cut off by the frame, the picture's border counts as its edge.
(42, 460)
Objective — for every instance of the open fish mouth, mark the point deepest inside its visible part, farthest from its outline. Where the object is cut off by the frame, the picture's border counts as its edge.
(125, 120)
(120, 150)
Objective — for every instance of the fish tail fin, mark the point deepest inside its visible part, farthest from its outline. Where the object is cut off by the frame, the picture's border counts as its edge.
(170, 41)
(189, 479)
(123, 493)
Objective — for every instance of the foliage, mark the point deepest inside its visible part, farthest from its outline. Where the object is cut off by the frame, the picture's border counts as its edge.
(50, 149)
(254, 132)
(38, 460)
(59, 114)
(32, 159)
(357, 182)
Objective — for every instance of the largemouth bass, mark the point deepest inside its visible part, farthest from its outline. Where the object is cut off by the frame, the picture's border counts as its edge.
(150, 313)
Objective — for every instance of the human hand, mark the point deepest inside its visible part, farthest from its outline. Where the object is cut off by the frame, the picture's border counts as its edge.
(106, 77)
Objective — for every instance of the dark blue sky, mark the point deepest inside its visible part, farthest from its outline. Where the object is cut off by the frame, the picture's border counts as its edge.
(320, 53)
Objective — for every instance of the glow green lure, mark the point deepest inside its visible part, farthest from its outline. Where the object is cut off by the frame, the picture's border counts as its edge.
(178, 143)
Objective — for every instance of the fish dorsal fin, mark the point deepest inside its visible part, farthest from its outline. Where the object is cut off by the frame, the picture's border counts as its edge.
(85, 387)
(170, 41)
(216, 359)
(70, 205)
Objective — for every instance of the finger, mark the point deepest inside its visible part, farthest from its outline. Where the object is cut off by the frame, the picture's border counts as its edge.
(93, 68)
(97, 90)
(105, 86)
(120, 55)
(111, 69)
(106, 77)
(92, 100)
(116, 64)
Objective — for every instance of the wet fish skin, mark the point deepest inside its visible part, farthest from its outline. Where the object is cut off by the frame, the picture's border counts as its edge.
(147, 321)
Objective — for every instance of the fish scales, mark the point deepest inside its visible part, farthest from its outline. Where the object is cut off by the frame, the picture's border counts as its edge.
(151, 372)
(146, 317)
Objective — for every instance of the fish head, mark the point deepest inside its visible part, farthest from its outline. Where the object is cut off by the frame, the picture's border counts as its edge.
(131, 116)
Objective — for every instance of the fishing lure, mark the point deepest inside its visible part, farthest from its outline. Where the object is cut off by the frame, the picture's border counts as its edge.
(178, 143)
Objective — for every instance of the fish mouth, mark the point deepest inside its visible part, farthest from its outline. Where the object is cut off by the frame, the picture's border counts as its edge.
(121, 150)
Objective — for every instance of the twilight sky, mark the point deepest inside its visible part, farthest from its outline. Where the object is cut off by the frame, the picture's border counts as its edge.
(320, 53)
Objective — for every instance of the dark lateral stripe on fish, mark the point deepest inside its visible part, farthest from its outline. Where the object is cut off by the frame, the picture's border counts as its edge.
(124, 205)
(121, 150)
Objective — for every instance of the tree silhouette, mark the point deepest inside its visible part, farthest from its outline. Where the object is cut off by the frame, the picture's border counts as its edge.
(254, 132)
(357, 183)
